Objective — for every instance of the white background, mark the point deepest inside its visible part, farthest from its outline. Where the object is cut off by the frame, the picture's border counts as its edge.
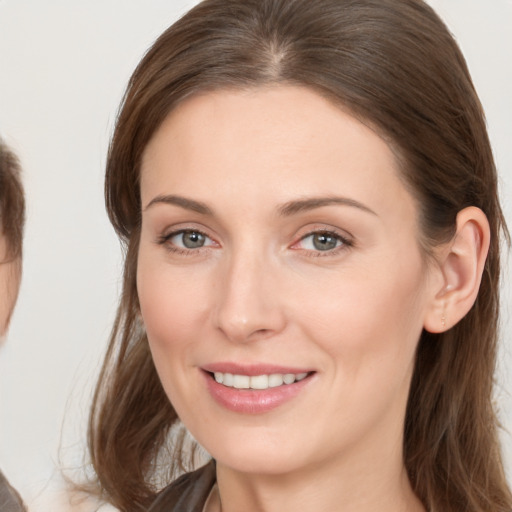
(63, 68)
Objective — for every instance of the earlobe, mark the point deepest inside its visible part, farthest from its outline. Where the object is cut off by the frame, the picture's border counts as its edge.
(461, 264)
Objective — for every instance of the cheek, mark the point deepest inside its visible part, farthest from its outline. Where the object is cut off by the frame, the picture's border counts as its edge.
(172, 302)
(173, 310)
(367, 315)
(369, 328)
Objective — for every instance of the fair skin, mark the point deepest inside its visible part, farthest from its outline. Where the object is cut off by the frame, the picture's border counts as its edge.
(9, 285)
(277, 237)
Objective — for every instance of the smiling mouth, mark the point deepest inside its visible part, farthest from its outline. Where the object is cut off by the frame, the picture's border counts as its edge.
(257, 388)
(258, 382)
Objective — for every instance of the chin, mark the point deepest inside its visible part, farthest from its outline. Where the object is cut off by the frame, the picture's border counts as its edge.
(258, 464)
(255, 456)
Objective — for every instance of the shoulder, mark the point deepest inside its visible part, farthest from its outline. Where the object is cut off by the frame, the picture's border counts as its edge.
(10, 500)
(188, 493)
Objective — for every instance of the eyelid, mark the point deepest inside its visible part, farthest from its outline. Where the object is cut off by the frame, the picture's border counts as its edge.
(180, 227)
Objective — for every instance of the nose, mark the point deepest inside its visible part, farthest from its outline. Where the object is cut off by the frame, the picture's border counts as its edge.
(250, 303)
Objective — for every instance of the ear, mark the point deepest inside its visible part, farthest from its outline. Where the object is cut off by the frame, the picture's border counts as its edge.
(460, 266)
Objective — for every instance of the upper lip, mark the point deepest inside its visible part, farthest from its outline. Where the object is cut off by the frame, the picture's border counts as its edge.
(252, 369)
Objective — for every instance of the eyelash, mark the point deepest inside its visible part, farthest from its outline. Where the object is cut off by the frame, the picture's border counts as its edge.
(164, 240)
(345, 243)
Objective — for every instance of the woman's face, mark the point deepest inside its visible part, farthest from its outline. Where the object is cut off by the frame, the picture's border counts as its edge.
(279, 251)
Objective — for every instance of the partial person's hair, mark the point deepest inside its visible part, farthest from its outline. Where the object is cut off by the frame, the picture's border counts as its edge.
(12, 220)
(12, 203)
(394, 66)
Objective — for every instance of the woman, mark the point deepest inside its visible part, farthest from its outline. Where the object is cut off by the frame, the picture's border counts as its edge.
(307, 196)
(12, 216)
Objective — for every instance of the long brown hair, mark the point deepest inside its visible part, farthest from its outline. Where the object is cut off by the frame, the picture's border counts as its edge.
(392, 64)
(12, 220)
(12, 202)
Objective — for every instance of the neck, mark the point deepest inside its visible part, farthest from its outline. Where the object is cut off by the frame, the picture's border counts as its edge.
(355, 486)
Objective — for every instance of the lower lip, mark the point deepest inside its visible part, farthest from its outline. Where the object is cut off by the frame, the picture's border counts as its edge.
(253, 401)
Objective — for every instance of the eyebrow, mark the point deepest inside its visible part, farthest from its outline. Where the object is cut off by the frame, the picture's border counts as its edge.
(286, 210)
(183, 202)
(304, 205)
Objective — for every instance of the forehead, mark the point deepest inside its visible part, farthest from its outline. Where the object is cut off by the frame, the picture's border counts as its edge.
(272, 142)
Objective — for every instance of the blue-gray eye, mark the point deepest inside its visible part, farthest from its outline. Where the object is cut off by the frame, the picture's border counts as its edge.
(324, 241)
(189, 239)
(321, 241)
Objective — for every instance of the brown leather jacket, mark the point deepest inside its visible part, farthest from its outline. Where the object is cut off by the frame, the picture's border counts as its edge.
(188, 493)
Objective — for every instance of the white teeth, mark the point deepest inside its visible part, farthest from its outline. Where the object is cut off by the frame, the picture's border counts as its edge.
(275, 380)
(289, 378)
(241, 381)
(258, 381)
